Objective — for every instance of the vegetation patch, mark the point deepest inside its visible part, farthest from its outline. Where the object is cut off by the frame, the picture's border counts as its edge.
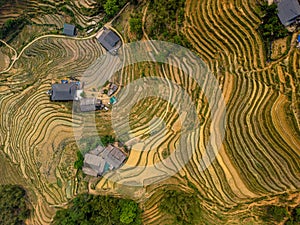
(90, 209)
(273, 213)
(12, 27)
(183, 208)
(165, 21)
(112, 7)
(295, 217)
(13, 207)
(136, 25)
(271, 28)
(79, 162)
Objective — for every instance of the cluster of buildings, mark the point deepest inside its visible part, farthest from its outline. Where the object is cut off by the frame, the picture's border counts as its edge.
(73, 91)
(107, 38)
(100, 159)
(103, 159)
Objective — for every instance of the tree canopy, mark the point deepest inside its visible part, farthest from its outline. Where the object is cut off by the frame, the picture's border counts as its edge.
(183, 208)
(13, 207)
(271, 28)
(111, 7)
(89, 209)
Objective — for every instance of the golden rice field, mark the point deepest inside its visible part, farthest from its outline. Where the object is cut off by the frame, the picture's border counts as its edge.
(258, 163)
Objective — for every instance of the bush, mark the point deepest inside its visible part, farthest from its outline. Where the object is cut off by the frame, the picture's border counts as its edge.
(274, 213)
(295, 217)
(107, 139)
(12, 27)
(13, 207)
(135, 23)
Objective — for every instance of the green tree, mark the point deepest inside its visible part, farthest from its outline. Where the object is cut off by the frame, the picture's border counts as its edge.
(79, 162)
(271, 28)
(136, 26)
(99, 210)
(13, 207)
(107, 139)
(128, 212)
(183, 208)
(111, 7)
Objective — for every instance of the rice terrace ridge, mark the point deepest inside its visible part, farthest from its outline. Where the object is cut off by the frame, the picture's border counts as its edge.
(149, 112)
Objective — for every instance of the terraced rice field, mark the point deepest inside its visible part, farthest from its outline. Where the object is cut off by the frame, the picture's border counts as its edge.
(258, 163)
(259, 160)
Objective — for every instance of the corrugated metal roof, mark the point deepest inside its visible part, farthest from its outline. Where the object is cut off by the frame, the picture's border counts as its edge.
(94, 162)
(98, 159)
(88, 104)
(288, 11)
(69, 29)
(108, 39)
(113, 156)
(63, 92)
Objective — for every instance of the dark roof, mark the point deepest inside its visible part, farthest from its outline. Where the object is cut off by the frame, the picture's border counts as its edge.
(69, 29)
(112, 89)
(108, 39)
(288, 11)
(63, 92)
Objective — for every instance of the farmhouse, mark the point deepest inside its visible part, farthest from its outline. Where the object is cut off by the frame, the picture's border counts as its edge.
(93, 165)
(288, 12)
(90, 104)
(109, 40)
(64, 91)
(101, 159)
(69, 30)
